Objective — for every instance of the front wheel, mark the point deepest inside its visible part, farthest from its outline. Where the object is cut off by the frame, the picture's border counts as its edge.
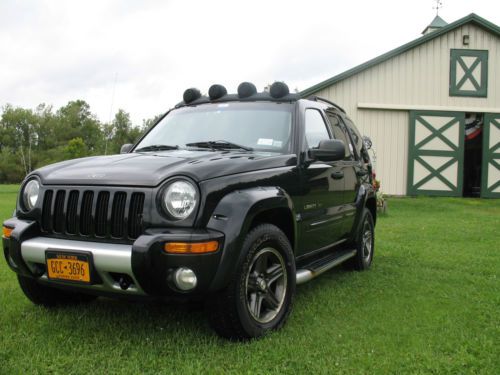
(260, 294)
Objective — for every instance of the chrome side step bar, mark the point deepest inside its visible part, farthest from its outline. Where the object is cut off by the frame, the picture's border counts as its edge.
(305, 275)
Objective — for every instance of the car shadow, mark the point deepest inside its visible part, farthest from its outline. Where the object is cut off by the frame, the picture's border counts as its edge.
(134, 320)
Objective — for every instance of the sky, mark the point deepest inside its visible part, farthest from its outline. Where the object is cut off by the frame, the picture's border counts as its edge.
(140, 56)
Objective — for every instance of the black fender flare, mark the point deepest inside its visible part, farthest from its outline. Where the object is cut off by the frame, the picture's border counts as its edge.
(365, 193)
(233, 216)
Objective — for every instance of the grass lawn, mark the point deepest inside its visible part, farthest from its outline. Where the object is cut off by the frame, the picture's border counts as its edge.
(430, 304)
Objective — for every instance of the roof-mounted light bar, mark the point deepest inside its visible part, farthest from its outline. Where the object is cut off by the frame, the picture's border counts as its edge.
(247, 91)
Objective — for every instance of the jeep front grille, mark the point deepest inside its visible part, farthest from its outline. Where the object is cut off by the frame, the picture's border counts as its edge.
(92, 213)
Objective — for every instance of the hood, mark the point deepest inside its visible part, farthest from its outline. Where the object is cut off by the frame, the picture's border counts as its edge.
(150, 169)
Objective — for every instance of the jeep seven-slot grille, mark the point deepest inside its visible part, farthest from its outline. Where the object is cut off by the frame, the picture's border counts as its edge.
(93, 213)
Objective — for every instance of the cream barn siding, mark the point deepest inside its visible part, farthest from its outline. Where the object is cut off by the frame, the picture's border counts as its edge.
(378, 98)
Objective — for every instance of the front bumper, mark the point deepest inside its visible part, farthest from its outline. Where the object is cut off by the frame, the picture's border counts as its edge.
(145, 267)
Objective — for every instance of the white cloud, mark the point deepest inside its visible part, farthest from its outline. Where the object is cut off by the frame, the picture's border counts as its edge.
(56, 51)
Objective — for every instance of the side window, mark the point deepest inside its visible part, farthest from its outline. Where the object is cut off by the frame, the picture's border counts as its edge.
(355, 135)
(316, 129)
(340, 134)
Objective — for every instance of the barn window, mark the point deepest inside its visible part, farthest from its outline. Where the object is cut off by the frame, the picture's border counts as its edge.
(468, 72)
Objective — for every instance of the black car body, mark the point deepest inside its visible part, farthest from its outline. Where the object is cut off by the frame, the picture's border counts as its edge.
(109, 212)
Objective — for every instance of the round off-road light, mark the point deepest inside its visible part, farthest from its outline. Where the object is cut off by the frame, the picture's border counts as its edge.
(185, 279)
(190, 95)
(279, 90)
(246, 89)
(216, 92)
(30, 194)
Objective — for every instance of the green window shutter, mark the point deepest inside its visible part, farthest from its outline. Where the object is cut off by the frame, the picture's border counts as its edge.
(468, 73)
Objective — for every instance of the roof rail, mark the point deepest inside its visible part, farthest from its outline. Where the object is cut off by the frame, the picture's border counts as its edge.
(319, 99)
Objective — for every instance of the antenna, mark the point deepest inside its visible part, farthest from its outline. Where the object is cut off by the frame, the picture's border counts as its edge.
(439, 5)
(112, 97)
(110, 113)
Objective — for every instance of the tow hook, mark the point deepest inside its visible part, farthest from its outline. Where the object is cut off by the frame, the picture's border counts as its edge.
(124, 282)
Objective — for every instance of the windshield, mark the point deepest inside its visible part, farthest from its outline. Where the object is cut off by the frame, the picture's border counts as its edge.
(257, 126)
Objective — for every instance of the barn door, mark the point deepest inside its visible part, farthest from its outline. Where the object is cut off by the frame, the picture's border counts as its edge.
(436, 152)
(490, 184)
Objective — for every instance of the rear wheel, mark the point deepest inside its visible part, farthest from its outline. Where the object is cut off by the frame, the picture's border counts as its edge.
(365, 242)
(47, 296)
(259, 297)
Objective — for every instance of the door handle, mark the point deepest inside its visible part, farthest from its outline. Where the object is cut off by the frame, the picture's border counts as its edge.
(361, 172)
(337, 175)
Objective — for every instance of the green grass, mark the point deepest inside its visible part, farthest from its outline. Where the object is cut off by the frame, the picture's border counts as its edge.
(430, 304)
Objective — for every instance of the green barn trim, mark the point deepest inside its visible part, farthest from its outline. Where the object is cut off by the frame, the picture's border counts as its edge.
(471, 18)
(457, 83)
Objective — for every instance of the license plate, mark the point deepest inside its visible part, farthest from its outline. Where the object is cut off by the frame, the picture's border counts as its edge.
(68, 266)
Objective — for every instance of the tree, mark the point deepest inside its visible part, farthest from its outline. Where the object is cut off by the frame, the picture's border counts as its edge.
(121, 131)
(75, 120)
(19, 133)
(30, 139)
(76, 148)
(148, 123)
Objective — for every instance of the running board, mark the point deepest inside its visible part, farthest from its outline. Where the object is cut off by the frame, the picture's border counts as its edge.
(305, 275)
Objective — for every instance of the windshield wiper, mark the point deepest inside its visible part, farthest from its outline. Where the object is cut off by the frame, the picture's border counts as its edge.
(157, 148)
(219, 145)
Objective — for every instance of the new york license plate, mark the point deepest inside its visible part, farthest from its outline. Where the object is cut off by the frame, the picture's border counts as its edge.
(68, 266)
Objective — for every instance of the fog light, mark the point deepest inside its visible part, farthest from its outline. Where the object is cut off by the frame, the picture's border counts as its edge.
(6, 232)
(185, 279)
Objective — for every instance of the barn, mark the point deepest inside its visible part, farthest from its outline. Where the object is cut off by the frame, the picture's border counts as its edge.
(431, 108)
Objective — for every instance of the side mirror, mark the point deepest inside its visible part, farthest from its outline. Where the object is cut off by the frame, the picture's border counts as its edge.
(328, 150)
(126, 148)
(368, 142)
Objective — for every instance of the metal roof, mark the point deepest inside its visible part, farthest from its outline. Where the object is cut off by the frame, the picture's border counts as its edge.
(471, 18)
(436, 23)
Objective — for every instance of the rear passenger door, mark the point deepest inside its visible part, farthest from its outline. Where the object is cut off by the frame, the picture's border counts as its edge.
(349, 170)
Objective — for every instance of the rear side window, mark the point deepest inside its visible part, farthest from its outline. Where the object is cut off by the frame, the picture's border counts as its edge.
(355, 135)
(339, 133)
(316, 129)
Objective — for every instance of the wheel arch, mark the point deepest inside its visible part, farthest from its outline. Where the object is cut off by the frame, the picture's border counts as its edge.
(371, 204)
(281, 217)
(365, 198)
(240, 211)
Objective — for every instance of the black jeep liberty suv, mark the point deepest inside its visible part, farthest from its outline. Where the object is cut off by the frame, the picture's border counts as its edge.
(233, 198)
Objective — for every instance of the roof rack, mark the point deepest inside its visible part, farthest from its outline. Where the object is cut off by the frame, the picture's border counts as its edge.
(319, 99)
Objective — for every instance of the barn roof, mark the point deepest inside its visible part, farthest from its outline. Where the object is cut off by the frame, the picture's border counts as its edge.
(471, 18)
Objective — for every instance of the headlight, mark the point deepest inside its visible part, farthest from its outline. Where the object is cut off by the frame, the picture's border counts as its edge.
(30, 194)
(179, 199)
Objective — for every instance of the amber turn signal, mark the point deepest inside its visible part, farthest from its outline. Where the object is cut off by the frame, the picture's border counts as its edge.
(7, 232)
(191, 247)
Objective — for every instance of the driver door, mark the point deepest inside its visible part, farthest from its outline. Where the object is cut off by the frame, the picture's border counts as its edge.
(322, 188)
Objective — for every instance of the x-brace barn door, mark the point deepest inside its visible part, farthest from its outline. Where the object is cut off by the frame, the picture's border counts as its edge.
(436, 153)
(490, 184)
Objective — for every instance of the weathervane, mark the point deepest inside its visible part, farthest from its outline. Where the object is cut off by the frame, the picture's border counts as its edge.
(439, 5)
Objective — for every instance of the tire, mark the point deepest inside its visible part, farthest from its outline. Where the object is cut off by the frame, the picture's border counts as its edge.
(364, 243)
(259, 296)
(49, 297)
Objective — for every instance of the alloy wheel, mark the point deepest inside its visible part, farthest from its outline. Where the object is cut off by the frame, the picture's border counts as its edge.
(266, 284)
